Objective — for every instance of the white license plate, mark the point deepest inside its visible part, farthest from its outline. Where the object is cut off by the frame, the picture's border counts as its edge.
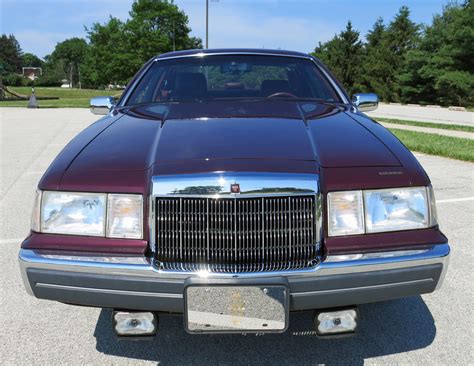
(236, 309)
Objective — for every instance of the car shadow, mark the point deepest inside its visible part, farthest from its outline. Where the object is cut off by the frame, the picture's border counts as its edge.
(386, 328)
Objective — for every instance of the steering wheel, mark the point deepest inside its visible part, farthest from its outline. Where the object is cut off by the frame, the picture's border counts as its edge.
(282, 94)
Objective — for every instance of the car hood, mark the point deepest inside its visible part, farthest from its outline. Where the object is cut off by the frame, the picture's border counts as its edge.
(191, 135)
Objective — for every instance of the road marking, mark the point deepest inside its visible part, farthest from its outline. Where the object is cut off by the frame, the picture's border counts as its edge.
(456, 200)
(33, 173)
(11, 241)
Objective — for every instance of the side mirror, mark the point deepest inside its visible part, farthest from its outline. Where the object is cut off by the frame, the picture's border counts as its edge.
(366, 102)
(102, 105)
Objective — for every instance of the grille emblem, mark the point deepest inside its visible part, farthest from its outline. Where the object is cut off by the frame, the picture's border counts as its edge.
(235, 188)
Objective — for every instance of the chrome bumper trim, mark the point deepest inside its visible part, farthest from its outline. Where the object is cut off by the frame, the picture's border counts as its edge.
(143, 267)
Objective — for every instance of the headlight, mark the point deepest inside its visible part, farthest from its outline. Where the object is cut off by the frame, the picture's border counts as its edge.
(125, 216)
(90, 214)
(381, 210)
(73, 213)
(346, 216)
(396, 209)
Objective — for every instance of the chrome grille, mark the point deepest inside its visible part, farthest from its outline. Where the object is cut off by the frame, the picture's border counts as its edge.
(236, 234)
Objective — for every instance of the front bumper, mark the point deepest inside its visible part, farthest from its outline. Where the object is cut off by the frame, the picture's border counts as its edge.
(134, 283)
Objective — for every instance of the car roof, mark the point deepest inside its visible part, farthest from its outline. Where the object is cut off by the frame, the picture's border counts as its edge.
(221, 51)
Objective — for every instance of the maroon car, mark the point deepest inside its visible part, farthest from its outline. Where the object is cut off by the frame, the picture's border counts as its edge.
(233, 186)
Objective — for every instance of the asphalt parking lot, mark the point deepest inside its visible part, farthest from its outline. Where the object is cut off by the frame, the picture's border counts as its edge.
(430, 329)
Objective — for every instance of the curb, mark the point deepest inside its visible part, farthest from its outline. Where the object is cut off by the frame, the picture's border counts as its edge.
(450, 108)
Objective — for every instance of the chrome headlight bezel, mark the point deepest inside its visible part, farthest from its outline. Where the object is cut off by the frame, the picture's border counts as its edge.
(423, 193)
(104, 216)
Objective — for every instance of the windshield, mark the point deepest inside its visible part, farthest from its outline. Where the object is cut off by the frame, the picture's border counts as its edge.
(232, 77)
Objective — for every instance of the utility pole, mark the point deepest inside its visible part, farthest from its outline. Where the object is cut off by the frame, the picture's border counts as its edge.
(207, 24)
(207, 21)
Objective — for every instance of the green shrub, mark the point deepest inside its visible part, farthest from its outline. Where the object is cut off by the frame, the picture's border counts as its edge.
(13, 80)
(50, 80)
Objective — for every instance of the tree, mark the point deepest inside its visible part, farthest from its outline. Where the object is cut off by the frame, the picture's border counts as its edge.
(28, 59)
(158, 26)
(441, 69)
(10, 54)
(118, 49)
(376, 65)
(343, 55)
(111, 57)
(402, 35)
(377, 70)
(70, 54)
(53, 73)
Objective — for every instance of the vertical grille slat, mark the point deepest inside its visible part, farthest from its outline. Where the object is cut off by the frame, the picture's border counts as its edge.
(236, 234)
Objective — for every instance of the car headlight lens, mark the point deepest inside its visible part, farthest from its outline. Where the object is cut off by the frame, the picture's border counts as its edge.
(125, 216)
(73, 213)
(396, 209)
(381, 210)
(90, 214)
(346, 214)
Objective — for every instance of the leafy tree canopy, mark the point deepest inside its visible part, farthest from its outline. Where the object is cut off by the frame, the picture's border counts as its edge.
(111, 57)
(377, 69)
(118, 49)
(28, 59)
(69, 55)
(406, 62)
(158, 26)
(10, 54)
(343, 55)
(441, 68)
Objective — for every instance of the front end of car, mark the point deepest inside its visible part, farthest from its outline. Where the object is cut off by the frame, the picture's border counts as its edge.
(228, 230)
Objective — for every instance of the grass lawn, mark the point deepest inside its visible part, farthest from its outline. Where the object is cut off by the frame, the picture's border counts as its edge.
(428, 143)
(75, 98)
(428, 124)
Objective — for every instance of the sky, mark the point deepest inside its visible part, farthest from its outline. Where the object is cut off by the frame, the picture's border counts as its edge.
(285, 24)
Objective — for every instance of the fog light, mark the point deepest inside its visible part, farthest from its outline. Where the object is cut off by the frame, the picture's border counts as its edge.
(336, 322)
(134, 324)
